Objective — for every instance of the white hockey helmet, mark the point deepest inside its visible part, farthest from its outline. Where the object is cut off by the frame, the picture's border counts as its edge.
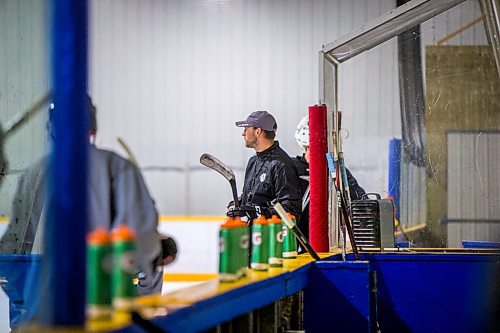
(302, 132)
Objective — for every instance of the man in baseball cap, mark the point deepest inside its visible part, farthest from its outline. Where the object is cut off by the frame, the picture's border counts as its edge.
(259, 119)
(260, 130)
(270, 174)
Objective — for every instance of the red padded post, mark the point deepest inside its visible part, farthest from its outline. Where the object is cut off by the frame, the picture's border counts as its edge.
(318, 208)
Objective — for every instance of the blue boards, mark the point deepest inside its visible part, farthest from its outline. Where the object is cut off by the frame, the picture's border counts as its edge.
(415, 292)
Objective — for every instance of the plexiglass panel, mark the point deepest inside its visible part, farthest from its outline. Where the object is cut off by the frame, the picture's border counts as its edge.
(435, 88)
(24, 141)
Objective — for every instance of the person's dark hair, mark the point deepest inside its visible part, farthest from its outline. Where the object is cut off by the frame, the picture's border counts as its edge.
(93, 116)
(270, 135)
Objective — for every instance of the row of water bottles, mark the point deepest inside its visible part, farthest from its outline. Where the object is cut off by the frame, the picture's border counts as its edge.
(272, 242)
(111, 268)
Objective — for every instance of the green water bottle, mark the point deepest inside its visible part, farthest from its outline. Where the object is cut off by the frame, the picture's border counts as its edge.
(260, 242)
(124, 268)
(99, 267)
(233, 242)
(289, 241)
(243, 249)
(275, 242)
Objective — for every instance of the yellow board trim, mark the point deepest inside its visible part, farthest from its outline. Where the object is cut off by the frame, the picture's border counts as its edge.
(188, 277)
(192, 218)
(171, 218)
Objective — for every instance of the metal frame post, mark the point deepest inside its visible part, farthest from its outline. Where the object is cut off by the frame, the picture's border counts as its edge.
(328, 74)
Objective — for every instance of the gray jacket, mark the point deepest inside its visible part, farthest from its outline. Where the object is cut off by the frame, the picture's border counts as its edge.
(117, 194)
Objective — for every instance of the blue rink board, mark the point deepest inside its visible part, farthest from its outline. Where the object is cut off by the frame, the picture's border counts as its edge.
(417, 292)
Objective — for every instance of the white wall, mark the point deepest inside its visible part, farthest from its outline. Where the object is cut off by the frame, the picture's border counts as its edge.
(171, 77)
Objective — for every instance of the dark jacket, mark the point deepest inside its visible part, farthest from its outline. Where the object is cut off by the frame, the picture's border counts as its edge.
(302, 166)
(303, 170)
(271, 175)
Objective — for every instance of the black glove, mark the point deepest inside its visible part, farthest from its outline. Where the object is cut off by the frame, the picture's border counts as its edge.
(252, 211)
(242, 211)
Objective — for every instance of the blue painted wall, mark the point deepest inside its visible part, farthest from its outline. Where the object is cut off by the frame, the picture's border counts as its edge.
(338, 295)
(436, 293)
(414, 293)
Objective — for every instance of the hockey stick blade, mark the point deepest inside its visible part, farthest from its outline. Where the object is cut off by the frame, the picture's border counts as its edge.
(213, 163)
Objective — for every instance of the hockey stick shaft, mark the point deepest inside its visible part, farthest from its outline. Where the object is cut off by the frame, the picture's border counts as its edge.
(20, 118)
(341, 172)
(343, 205)
(292, 226)
(335, 179)
(215, 164)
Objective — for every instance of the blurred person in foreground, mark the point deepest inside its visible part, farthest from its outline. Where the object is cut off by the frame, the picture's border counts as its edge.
(270, 174)
(302, 165)
(117, 194)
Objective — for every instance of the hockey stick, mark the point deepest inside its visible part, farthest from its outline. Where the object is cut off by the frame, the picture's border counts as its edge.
(345, 182)
(213, 163)
(300, 236)
(336, 180)
(129, 152)
(22, 117)
(343, 207)
(334, 174)
(343, 187)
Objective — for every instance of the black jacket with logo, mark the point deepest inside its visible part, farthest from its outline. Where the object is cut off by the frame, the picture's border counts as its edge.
(270, 175)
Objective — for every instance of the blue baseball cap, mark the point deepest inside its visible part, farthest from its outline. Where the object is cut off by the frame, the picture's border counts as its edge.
(259, 119)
